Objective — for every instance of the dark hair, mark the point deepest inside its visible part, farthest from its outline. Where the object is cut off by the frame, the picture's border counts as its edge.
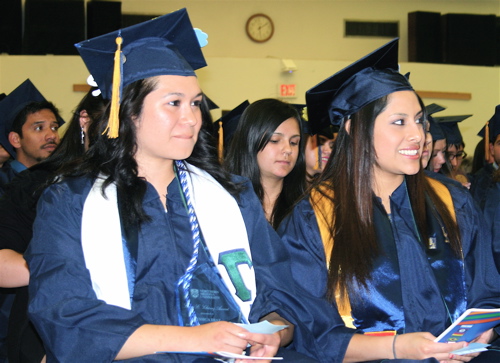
(478, 160)
(71, 148)
(255, 128)
(349, 174)
(429, 163)
(115, 158)
(30, 108)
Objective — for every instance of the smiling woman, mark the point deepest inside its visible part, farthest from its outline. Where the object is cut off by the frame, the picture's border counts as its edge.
(393, 251)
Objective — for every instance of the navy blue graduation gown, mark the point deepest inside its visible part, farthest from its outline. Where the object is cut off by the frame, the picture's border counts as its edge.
(76, 326)
(481, 182)
(416, 303)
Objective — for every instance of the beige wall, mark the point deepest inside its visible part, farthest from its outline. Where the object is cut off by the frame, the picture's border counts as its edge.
(308, 31)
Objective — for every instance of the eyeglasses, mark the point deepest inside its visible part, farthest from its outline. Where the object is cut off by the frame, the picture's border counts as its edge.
(459, 155)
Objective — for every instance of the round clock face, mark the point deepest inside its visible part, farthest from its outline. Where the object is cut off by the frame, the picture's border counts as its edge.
(260, 28)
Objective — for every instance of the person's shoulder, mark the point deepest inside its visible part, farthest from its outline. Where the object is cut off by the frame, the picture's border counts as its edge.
(483, 175)
(7, 173)
(443, 179)
(69, 187)
(458, 192)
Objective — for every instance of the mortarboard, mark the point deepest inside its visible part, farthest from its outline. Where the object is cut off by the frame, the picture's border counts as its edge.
(449, 125)
(347, 91)
(167, 45)
(14, 103)
(493, 126)
(434, 108)
(228, 124)
(434, 128)
(490, 131)
(211, 104)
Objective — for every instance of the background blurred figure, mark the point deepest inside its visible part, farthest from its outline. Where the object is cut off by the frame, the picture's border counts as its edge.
(30, 125)
(268, 148)
(225, 127)
(455, 145)
(17, 214)
(482, 180)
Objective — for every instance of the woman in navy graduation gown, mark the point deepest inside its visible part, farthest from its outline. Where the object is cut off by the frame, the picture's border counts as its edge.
(147, 245)
(397, 254)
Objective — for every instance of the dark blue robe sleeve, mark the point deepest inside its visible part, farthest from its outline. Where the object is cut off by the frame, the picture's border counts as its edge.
(481, 274)
(277, 291)
(491, 213)
(300, 234)
(72, 322)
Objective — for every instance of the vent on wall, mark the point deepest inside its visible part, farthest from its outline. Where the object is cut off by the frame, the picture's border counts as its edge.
(389, 29)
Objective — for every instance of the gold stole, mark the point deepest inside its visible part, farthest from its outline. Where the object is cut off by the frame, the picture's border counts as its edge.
(323, 210)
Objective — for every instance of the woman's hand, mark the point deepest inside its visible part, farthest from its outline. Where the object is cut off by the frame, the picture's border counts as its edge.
(422, 346)
(414, 346)
(220, 336)
(262, 345)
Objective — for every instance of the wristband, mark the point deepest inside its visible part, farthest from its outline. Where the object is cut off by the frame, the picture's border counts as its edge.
(394, 346)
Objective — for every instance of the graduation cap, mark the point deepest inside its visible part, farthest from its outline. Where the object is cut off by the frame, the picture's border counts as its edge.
(228, 124)
(14, 103)
(490, 131)
(346, 92)
(434, 128)
(449, 125)
(211, 104)
(493, 125)
(167, 45)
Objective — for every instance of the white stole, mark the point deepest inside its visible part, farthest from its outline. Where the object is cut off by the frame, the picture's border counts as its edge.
(102, 246)
(222, 227)
(220, 221)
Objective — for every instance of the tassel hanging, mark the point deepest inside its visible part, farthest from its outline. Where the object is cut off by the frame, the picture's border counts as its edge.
(487, 141)
(114, 121)
(221, 142)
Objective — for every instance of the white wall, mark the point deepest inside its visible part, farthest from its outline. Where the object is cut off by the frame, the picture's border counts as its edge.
(308, 31)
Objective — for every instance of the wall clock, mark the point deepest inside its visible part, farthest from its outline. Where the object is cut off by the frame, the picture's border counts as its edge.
(259, 28)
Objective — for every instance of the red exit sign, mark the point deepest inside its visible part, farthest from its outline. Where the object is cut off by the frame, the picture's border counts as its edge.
(287, 90)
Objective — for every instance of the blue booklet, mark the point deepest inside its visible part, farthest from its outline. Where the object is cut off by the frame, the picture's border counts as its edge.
(471, 324)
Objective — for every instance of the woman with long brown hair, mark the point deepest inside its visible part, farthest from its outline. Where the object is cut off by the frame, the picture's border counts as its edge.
(399, 255)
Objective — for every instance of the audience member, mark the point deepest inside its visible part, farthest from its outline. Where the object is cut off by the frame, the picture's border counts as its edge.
(268, 148)
(17, 213)
(384, 243)
(30, 125)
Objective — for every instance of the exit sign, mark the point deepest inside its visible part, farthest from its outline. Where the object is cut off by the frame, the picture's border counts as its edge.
(287, 90)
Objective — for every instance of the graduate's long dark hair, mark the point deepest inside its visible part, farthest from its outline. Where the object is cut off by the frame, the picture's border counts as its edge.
(349, 173)
(255, 128)
(115, 158)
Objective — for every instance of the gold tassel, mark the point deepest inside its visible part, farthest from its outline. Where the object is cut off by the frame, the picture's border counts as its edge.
(487, 141)
(113, 127)
(221, 142)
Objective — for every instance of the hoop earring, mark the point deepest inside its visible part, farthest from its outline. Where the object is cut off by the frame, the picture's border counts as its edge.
(82, 136)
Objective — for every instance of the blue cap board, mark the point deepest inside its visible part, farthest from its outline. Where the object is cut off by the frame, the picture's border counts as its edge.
(211, 104)
(230, 121)
(434, 128)
(493, 125)
(166, 45)
(347, 91)
(12, 104)
(449, 125)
